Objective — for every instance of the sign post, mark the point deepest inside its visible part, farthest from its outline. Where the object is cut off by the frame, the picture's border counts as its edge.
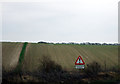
(79, 64)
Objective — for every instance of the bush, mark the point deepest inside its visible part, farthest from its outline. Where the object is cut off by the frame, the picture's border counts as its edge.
(93, 69)
(47, 65)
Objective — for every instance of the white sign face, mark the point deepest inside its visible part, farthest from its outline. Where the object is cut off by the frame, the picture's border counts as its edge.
(79, 61)
(79, 66)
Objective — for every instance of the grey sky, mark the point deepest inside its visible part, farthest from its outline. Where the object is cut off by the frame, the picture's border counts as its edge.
(61, 21)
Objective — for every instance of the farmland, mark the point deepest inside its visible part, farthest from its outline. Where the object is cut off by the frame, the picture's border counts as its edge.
(63, 54)
(25, 62)
(10, 55)
(66, 55)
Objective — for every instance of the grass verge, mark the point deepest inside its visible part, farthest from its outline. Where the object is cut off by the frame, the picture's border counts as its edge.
(21, 58)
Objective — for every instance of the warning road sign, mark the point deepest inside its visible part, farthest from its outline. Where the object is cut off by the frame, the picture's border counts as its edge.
(79, 63)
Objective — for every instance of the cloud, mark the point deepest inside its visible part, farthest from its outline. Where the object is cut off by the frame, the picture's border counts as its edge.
(61, 20)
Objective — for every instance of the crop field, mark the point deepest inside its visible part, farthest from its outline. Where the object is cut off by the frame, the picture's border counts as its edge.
(25, 62)
(10, 55)
(66, 55)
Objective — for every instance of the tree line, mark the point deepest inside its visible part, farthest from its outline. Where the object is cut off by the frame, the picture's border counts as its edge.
(84, 43)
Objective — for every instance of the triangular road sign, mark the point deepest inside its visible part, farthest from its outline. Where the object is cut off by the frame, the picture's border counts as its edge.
(79, 61)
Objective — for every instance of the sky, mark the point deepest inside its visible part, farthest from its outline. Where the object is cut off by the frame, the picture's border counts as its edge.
(61, 21)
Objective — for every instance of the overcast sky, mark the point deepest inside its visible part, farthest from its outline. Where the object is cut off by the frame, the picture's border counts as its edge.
(61, 21)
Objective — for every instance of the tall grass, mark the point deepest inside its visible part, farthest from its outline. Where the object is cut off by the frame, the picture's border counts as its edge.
(21, 58)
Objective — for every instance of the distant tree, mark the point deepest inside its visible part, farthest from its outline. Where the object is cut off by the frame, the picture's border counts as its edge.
(42, 42)
(104, 44)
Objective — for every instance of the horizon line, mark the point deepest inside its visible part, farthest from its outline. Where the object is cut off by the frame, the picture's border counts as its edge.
(59, 41)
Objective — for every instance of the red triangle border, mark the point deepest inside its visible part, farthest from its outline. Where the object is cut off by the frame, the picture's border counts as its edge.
(79, 63)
